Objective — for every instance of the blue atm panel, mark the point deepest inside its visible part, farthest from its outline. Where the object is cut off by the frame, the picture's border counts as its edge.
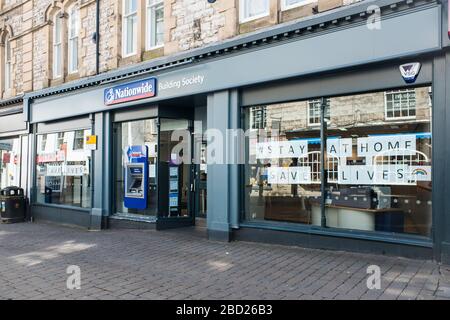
(136, 178)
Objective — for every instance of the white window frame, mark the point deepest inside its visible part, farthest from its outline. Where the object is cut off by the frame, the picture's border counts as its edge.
(57, 44)
(125, 17)
(8, 65)
(312, 103)
(151, 7)
(258, 117)
(393, 92)
(285, 6)
(243, 18)
(72, 38)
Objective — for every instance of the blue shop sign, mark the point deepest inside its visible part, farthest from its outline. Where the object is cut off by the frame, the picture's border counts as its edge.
(130, 91)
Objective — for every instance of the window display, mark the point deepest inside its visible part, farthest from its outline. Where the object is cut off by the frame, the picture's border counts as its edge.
(377, 162)
(135, 140)
(9, 162)
(63, 169)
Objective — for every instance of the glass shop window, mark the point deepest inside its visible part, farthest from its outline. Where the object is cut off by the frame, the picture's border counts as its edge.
(63, 169)
(129, 135)
(314, 112)
(10, 162)
(400, 104)
(282, 171)
(78, 143)
(384, 167)
(378, 171)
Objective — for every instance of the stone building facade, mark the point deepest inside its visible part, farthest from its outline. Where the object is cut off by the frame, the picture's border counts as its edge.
(28, 28)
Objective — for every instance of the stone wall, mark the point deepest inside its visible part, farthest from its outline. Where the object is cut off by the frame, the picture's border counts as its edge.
(188, 24)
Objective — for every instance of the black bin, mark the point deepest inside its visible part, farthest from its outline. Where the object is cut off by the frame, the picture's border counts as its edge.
(12, 205)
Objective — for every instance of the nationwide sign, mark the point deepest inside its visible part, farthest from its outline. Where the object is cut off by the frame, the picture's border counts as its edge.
(130, 91)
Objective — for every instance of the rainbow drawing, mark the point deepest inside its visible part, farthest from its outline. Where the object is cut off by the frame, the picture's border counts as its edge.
(420, 172)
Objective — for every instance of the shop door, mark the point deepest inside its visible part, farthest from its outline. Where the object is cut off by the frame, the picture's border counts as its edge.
(176, 174)
(200, 182)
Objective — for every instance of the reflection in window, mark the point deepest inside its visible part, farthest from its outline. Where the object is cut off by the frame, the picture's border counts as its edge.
(9, 162)
(60, 141)
(283, 169)
(42, 142)
(78, 143)
(400, 104)
(135, 133)
(63, 173)
(314, 111)
(258, 117)
(378, 173)
(384, 169)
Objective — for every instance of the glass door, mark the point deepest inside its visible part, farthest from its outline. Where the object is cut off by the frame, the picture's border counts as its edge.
(176, 174)
(200, 176)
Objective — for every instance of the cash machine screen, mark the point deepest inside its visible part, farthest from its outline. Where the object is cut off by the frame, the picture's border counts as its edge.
(134, 180)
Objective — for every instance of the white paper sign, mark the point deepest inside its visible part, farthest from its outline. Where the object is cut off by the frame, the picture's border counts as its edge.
(281, 149)
(340, 148)
(374, 175)
(389, 145)
(289, 175)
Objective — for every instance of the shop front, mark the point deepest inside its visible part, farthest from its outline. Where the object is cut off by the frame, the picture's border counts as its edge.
(343, 137)
(13, 145)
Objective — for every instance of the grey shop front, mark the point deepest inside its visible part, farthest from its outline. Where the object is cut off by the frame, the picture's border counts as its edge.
(13, 145)
(327, 86)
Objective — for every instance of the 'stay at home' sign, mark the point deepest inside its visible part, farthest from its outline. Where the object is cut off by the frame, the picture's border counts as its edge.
(130, 91)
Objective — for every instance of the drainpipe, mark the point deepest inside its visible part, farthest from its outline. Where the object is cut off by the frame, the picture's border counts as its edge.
(323, 172)
(97, 36)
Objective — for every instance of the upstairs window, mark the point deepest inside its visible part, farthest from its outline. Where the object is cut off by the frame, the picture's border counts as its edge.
(73, 30)
(314, 111)
(57, 46)
(8, 68)
(129, 27)
(258, 118)
(253, 9)
(155, 23)
(290, 4)
(78, 141)
(400, 104)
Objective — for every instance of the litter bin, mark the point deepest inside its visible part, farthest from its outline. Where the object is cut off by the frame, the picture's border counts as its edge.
(12, 205)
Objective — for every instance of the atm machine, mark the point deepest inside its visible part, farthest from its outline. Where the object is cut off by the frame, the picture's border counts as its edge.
(136, 178)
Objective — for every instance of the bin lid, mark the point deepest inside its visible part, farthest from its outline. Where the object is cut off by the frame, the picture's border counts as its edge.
(11, 191)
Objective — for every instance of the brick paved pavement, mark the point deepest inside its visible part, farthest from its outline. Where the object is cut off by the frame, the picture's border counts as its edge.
(179, 264)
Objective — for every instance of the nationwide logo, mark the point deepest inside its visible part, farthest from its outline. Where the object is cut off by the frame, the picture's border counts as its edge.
(130, 92)
(410, 71)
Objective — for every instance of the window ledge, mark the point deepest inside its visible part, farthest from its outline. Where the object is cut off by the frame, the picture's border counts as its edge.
(297, 5)
(342, 233)
(153, 53)
(249, 19)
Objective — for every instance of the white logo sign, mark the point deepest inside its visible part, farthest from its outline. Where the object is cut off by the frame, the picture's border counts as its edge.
(410, 71)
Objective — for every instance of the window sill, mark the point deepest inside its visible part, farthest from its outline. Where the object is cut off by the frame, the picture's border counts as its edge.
(420, 241)
(153, 53)
(60, 206)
